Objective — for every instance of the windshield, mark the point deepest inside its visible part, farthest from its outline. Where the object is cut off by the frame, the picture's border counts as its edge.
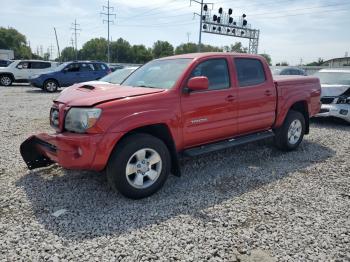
(158, 73)
(61, 67)
(334, 78)
(118, 76)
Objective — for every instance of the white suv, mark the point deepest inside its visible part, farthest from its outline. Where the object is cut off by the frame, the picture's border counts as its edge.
(21, 70)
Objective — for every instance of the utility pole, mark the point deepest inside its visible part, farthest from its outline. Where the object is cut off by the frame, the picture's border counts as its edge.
(188, 36)
(58, 47)
(75, 28)
(108, 21)
(200, 19)
(51, 51)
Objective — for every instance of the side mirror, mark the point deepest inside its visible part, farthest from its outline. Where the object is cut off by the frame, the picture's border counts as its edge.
(198, 83)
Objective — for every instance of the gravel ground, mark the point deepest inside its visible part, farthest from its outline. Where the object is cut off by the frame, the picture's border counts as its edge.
(251, 203)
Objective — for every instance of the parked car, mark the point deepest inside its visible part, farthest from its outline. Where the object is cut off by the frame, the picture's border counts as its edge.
(5, 62)
(68, 74)
(335, 96)
(22, 70)
(118, 76)
(289, 71)
(176, 106)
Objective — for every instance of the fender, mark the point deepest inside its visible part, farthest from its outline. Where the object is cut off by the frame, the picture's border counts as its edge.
(8, 73)
(284, 105)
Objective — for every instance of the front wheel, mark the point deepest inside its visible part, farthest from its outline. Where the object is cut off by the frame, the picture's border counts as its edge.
(5, 80)
(139, 166)
(51, 86)
(291, 133)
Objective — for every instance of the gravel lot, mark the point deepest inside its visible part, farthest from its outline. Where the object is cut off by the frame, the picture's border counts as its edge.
(251, 203)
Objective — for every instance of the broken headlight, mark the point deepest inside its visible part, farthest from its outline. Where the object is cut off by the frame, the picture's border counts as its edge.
(81, 119)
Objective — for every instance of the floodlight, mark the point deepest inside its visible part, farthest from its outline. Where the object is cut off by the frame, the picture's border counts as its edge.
(205, 7)
(220, 10)
(245, 22)
(230, 20)
(215, 17)
(230, 11)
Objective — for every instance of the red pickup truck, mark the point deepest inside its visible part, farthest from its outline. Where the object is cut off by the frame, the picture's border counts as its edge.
(176, 106)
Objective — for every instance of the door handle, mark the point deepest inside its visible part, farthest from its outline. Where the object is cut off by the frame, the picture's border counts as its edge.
(268, 93)
(230, 98)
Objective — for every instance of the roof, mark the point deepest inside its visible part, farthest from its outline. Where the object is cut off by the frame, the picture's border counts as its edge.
(209, 54)
(335, 70)
(338, 58)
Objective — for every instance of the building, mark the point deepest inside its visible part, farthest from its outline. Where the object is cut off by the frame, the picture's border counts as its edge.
(337, 62)
(6, 54)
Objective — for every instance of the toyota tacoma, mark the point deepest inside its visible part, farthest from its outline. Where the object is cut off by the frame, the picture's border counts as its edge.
(177, 106)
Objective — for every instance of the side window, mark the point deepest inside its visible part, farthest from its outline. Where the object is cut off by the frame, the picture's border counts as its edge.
(40, 65)
(72, 68)
(86, 67)
(216, 71)
(99, 67)
(23, 65)
(249, 72)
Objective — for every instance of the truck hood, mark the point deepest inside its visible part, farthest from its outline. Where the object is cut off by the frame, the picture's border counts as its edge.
(333, 90)
(89, 94)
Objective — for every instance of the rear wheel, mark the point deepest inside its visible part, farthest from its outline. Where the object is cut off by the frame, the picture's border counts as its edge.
(51, 85)
(291, 133)
(5, 80)
(139, 166)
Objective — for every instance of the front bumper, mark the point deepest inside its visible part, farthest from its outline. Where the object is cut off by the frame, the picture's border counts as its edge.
(36, 82)
(69, 150)
(335, 110)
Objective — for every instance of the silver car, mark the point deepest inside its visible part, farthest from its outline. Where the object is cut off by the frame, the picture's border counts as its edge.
(335, 96)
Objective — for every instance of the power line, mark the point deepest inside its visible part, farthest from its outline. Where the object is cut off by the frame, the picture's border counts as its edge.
(108, 21)
(75, 30)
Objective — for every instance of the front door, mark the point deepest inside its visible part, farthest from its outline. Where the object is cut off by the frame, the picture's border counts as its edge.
(256, 96)
(210, 115)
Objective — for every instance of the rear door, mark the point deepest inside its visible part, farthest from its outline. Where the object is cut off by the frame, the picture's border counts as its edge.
(256, 95)
(87, 72)
(212, 114)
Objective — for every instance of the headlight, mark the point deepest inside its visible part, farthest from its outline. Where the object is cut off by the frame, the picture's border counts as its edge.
(81, 119)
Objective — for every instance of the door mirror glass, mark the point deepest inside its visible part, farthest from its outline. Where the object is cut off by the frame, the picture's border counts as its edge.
(198, 83)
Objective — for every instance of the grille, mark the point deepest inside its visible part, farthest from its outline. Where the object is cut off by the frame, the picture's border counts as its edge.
(324, 110)
(327, 100)
(54, 117)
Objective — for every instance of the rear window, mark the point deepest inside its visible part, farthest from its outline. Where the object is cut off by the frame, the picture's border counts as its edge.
(250, 72)
(86, 67)
(100, 67)
(40, 65)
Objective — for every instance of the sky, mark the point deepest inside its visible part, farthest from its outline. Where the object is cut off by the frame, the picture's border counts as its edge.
(290, 30)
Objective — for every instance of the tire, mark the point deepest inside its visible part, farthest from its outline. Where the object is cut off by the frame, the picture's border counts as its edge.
(128, 174)
(6, 80)
(51, 86)
(291, 133)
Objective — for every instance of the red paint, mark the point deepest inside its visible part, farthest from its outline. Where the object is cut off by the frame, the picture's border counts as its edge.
(193, 118)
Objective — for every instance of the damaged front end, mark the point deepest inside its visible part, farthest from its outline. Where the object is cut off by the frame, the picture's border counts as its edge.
(33, 154)
(335, 104)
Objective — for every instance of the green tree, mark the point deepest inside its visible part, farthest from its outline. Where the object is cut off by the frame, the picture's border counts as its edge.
(186, 48)
(319, 62)
(12, 39)
(162, 48)
(140, 54)
(94, 49)
(68, 54)
(236, 47)
(210, 48)
(268, 58)
(121, 51)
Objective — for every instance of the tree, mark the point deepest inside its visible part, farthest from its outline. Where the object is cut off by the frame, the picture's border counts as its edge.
(94, 49)
(121, 51)
(140, 54)
(237, 47)
(162, 48)
(11, 39)
(267, 57)
(319, 62)
(68, 54)
(186, 48)
(210, 48)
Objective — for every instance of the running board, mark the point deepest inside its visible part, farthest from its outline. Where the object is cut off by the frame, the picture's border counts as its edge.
(195, 151)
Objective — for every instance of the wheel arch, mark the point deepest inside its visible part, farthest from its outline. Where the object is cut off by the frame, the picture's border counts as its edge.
(162, 132)
(302, 107)
(8, 74)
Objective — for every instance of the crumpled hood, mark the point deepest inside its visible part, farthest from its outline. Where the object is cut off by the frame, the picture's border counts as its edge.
(89, 94)
(333, 90)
